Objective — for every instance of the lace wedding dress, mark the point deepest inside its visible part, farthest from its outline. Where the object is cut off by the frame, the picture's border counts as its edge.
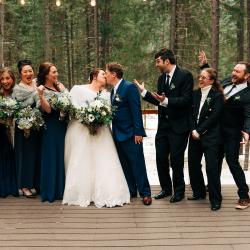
(93, 170)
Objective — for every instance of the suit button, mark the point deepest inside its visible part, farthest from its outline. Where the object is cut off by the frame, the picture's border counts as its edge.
(166, 116)
(206, 117)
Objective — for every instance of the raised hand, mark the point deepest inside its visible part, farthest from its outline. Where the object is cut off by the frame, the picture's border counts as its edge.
(202, 58)
(140, 86)
(40, 90)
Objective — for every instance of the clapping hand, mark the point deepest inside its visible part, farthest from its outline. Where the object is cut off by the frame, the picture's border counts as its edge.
(202, 58)
(158, 97)
(140, 86)
(40, 90)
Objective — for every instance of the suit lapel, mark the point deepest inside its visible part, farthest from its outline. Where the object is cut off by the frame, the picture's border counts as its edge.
(239, 93)
(173, 79)
(118, 91)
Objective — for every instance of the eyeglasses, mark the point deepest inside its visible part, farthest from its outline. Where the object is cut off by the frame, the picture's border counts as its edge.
(203, 77)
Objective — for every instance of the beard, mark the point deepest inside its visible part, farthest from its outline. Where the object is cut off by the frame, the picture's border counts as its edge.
(238, 80)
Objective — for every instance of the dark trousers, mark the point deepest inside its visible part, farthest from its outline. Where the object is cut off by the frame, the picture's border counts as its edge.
(170, 146)
(133, 163)
(230, 149)
(196, 150)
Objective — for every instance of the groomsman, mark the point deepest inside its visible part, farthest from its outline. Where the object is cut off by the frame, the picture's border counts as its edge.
(173, 98)
(235, 124)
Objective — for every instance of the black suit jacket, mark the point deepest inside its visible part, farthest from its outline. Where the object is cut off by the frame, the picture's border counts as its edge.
(208, 125)
(179, 100)
(236, 115)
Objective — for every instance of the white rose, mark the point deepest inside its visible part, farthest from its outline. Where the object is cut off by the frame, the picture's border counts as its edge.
(103, 113)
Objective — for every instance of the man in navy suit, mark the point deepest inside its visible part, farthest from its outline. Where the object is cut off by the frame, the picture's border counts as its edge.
(128, 132)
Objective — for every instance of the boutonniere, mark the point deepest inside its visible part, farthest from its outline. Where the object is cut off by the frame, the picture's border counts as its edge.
(237, 98)
(117, 98)
(172, 86)
(208, 100)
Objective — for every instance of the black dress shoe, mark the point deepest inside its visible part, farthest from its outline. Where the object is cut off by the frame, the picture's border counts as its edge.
(215, 206)
(162, 195)
(176, 198)
(196, 197)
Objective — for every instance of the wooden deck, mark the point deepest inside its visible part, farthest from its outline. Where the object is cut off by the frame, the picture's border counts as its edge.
(30, 224)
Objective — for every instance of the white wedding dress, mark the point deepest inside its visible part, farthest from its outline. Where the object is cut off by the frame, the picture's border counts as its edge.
(93, 170)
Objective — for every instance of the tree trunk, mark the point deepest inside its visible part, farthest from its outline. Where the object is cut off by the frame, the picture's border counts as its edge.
(240, 32)
(104, 46)
(1, 33)
(67, 37)
(248, 31)
(173, 26)
(96, 34)
(47, 49)
(88, 48)
(215, 16)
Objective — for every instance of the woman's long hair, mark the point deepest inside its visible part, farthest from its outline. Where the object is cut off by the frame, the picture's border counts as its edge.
(43, 71)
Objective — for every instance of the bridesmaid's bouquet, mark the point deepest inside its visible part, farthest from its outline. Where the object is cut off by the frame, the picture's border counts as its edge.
(8, 108)
(29, 118)
(96, 114)
(62, 103)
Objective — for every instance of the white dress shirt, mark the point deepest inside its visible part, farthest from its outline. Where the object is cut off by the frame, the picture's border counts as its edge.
(204, 93)
(238, 88)
(116, 87)
(165, 101)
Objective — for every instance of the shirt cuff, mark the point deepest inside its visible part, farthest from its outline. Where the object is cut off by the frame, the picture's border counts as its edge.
(164, 103)
(196, 134)
(144, 92)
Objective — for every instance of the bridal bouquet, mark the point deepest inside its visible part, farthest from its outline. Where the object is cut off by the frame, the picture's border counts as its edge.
(29, 118)
(62, 103)
(96, 114)
(8, 107)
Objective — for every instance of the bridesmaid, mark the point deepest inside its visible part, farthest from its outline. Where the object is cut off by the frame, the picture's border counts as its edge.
(27, 150)
(8, 184)
(52, 163)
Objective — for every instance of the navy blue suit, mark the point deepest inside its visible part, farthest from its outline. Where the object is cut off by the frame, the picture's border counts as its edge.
(126, 124)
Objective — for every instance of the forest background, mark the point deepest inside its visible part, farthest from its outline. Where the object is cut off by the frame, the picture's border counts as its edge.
(77, 35)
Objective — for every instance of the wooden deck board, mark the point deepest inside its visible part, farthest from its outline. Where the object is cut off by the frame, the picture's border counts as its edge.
(30, 224)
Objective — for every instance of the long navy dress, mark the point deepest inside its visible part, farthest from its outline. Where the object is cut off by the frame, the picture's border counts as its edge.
(8, 184)
(52, 155)
(27, 150)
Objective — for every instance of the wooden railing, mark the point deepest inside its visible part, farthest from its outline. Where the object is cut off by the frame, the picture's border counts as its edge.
(244, 151)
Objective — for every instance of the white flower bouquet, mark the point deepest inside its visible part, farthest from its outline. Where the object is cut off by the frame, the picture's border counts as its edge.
(95, 114)
(29, 118)
(61, 102)
(8, 108)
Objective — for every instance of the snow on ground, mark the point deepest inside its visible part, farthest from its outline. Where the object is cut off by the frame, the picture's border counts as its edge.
(149, 151)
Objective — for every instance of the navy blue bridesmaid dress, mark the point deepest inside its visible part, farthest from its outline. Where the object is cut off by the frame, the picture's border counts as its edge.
(52, 158)
(8, 183)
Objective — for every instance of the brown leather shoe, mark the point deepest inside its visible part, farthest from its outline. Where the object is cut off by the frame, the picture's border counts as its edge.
(147, 200)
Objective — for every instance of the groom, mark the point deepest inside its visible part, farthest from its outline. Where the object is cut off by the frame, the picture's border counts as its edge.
(128, 132)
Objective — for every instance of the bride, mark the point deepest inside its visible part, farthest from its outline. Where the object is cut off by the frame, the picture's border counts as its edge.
(93, 171)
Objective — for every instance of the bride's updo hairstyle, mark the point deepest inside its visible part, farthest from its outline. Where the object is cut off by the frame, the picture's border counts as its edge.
(93, 74)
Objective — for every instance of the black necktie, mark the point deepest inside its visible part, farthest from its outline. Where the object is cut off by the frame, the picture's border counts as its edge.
(166, 90)
(230, 90)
